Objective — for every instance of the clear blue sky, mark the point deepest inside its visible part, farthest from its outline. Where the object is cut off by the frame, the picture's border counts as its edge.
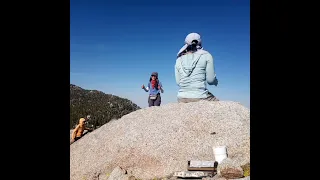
(115, 46)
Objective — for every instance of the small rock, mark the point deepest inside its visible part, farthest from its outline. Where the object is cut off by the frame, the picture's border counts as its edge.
(119, 174)
(230, 169)
(232, 173)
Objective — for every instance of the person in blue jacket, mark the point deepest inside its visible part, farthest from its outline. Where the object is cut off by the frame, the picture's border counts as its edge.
(154, 88)
(193, 69)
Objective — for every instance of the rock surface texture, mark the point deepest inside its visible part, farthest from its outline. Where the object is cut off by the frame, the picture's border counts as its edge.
(154, 142)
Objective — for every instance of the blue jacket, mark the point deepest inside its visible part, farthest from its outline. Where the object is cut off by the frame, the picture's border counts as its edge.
(192, 71)
(155, 90)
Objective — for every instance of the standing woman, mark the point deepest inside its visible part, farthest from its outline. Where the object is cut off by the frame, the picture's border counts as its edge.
(154, 88)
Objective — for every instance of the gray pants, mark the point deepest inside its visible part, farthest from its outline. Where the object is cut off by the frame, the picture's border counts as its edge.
(154, 102)
(211, 97)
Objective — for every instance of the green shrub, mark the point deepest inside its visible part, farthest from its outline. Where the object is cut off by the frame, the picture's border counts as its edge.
(246, 169)
(102, 107)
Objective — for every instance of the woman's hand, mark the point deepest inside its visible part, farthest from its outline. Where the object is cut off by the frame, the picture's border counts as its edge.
(160, 87)
(142, 86)
(215, 82)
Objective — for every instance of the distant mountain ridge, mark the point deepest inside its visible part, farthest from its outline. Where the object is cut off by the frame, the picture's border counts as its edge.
(102, 107)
